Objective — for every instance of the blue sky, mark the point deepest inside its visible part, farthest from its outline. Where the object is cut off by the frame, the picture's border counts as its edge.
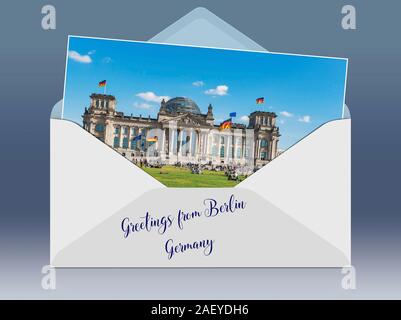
(304, 92)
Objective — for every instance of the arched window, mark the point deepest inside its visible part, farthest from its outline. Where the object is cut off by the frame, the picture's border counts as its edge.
(125, 143)
(222, 152)
(263, 143)
(133, 144)
(116, 143)
(99, 127)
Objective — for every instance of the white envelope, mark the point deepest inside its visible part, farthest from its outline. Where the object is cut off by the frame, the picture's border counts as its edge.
(298, 211)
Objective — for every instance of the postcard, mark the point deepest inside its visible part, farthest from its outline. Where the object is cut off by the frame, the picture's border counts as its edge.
(183, 156)
(198, 117)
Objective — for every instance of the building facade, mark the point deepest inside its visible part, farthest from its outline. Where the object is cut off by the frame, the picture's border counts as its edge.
(181, 133)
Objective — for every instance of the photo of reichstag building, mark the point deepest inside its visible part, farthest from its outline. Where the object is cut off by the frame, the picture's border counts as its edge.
(182, 134)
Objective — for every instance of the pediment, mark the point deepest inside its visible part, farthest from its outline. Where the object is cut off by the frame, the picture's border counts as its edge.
(187, 120)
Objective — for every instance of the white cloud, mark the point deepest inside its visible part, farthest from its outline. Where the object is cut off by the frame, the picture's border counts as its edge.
(78, 57)
(107, 60)
(198, 83)
(142, 105)
(151, 97)
(286, 114)
(220, 90)
(244, 119)
(92, 52)
(305, 119)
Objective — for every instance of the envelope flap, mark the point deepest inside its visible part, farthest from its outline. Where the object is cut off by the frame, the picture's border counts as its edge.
(311, 183)
(89, 182)
(200, 27)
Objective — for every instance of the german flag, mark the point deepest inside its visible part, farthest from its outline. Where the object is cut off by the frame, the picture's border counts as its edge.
(260, 100)
(225, 124)
(102, 83)
(152, 139)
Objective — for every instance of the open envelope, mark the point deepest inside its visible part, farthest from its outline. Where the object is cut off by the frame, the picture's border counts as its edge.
(298, 211)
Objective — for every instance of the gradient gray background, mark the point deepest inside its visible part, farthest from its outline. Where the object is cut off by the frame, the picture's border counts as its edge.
(31, 82)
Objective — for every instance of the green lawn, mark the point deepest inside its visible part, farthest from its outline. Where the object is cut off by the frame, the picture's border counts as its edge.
(183, 178)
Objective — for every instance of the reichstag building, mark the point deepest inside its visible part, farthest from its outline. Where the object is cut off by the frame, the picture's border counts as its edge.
(181, 133)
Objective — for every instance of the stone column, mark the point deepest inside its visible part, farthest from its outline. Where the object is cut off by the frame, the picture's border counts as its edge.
(129, 137)
(197, 143)
(108, 133)
(205, 143)
(92, 127)
(256, 152)
(201, 142)
(177, 138)
(190, 142)
(179, 142)
(270, 148)
(137, 142)
(203, 146)
(235, 148)
(166, 147)
(210, 143)
(229, 146)
(171, 133)
(243, 139)
(120, 137)
(218, 146)
(226, 146)
(273, 148)
(163, 141)
(141, 147)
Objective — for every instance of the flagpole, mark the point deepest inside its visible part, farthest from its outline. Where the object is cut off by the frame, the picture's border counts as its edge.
(104, 92)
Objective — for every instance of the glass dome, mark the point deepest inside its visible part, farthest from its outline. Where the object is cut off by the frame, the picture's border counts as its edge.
(181, 104)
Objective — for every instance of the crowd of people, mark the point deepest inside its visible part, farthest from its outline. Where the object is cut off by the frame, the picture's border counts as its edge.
(233, 172)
